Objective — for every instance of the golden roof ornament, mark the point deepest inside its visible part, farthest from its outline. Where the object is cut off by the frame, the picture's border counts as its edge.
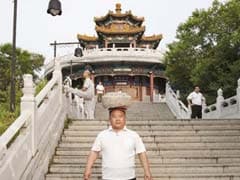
(118, 8)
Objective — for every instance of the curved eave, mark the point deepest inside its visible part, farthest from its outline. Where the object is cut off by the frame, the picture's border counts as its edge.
(99, 20)
(110, 31)
(152, 38)
(87, 38)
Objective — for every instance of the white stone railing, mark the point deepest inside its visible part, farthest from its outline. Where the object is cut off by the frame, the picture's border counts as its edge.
(109, 54)
(176, 106)
(27, 146)
(224, 108)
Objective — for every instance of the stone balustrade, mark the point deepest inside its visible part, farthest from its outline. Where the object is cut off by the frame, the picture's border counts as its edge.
(28, 144)
(109, 54)
(224, 108)
(177, 107)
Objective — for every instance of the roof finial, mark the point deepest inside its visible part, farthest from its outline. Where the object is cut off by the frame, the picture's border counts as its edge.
(118, 8)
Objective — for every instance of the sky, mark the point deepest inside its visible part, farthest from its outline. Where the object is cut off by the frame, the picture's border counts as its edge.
(36, 29)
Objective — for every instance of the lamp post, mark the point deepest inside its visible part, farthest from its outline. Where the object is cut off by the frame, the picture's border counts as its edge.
(13, 62)
(54, 9)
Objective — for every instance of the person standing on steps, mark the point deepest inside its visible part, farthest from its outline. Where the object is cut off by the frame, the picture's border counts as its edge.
(118, 146)
(196, 101)
(87, 93)
(100, 91)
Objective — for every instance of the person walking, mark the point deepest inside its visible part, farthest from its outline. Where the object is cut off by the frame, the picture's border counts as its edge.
(100, 91)
(118, 146)
(196, 101)
(87, 93)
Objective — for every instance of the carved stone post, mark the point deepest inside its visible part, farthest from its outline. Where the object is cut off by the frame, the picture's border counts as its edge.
(28, 104)
(57, 73)
(220, 100)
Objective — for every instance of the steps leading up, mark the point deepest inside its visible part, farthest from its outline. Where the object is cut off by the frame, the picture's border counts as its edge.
(177, 149)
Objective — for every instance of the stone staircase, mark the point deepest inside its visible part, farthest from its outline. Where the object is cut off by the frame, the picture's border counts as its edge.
(177, 149)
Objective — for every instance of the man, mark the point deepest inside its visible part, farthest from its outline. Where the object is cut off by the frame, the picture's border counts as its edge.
(100, 91)
(195, 101)
(118, 146)
(87, 93)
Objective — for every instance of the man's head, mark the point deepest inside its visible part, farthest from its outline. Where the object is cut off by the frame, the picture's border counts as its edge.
(86, 74)
(100, 82)
(197, 89)
(117, 118)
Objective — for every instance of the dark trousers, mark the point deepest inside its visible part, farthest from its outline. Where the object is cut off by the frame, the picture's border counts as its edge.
(196, 112)
(99, 98)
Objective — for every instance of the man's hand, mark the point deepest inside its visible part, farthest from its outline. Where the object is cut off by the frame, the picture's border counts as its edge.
(87, 174)
(147, 176)
(91, 159)
(144, 160)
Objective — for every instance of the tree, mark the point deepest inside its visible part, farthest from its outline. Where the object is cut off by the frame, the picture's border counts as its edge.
(207, 50)
(27, 62)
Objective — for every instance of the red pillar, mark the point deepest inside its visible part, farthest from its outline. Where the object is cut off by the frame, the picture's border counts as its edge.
(151, 86)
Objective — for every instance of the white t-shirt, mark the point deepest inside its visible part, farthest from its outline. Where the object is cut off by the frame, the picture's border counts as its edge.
(196, 98)
(100, 89)
(118, 153)
(89, 85)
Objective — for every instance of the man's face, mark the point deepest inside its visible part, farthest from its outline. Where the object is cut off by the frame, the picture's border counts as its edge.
(117, 119)
(86, 74)
(197, 89)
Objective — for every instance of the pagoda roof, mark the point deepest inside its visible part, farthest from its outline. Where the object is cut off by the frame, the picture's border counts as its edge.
(152, 38)
(118, 14)
(120, 29)
(87, 38)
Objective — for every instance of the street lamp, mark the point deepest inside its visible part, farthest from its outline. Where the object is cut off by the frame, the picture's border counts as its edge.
(54, 8)
(13, 62)
(78, 52)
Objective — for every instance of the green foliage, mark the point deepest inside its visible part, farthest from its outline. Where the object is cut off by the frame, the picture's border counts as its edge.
(40, 86)
(207, 51)
(27, 62)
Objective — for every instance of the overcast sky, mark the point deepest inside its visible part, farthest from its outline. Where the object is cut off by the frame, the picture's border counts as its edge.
(36, 29)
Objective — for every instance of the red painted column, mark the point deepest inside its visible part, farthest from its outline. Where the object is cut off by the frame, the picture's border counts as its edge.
(151, 86)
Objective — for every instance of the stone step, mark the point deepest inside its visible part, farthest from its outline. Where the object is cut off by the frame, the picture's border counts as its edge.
(164, 153)
(161, 122)
(69, 132)
(158, 169)
(160, 127)
(165, 176)
(164, 139)
(164, 146)
(157, 159)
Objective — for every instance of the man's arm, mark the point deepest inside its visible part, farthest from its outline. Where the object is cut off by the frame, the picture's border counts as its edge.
(145, 163)
(91, 159)
(189, 99)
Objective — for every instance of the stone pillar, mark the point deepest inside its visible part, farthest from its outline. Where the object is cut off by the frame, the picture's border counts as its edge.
(106, 43)
(28, 104)
(220, 100)
(151, 85)
(57, 73)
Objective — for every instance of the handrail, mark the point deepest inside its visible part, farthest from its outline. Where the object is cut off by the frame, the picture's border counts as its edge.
(13, 129)
(177, 107)
(44, 92)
